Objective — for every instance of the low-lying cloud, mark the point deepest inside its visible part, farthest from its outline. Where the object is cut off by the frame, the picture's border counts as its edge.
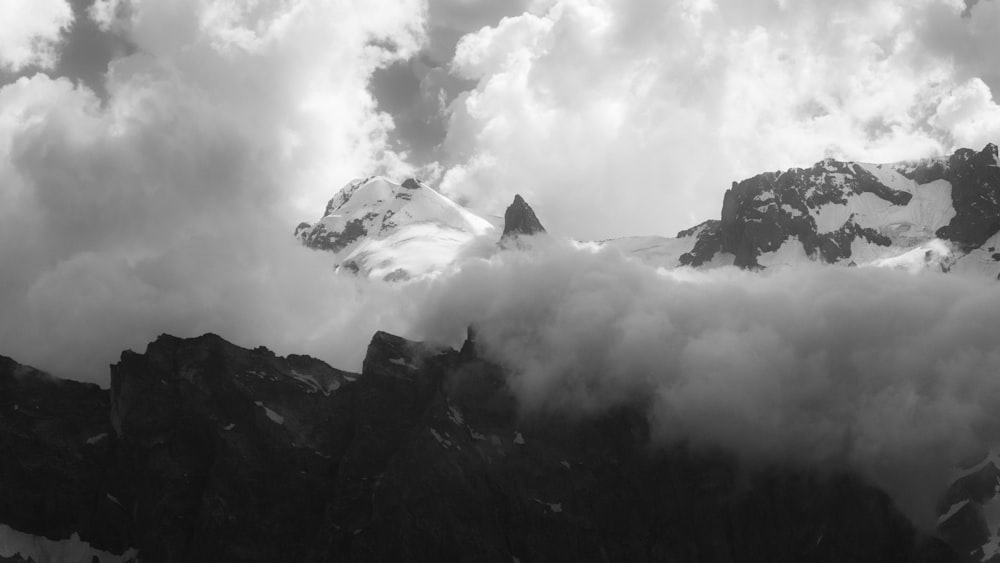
(894, 375)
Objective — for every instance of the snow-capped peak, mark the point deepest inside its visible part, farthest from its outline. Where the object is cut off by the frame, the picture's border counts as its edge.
(391, 230)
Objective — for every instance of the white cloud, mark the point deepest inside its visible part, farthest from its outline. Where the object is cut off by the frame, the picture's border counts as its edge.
(889, 374)
(618, 117)
(169, 208)
(969, 114)
(30, 31)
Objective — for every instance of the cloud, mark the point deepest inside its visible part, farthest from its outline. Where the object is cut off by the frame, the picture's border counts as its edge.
(887, 373)
(616, 117)
(30, 31)
(168, 207)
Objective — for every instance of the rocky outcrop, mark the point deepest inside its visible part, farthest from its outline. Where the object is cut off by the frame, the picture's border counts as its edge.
(225, 453)
(975, 194)
(218, 453)
(56, 446)
(520, 220)
(763, 212)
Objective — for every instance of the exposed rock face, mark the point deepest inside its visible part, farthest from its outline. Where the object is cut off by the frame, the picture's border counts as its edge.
(835, 208)
(219, 453)
(520, 220)
(55, 448)
(975, 194)
(225, 453)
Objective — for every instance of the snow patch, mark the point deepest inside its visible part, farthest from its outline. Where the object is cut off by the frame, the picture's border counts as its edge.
(402, 362)
(953, 510)
(445, 440)
(788, 209)
(14, 543)
(981, 261)
(790, 253)
(414, 231)
(518, 439)
(313, 383)
(275, 417)
(455, 415)
(98, 438)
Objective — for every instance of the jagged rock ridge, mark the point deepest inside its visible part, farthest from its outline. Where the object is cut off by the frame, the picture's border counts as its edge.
(218, 453)
(841, 212)
(939, 214)
(520, 220)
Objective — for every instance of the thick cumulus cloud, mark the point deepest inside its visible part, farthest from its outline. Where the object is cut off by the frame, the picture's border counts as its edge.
(168, 207)
(615, 117)
(30, 31)
(886, 373)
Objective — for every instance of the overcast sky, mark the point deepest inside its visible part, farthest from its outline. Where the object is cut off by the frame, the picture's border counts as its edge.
(155, 155)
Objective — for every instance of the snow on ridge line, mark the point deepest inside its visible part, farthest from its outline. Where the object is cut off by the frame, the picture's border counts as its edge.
(14, 543)
(274, 416)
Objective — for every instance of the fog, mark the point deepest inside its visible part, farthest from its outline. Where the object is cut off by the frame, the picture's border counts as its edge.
(891, 374)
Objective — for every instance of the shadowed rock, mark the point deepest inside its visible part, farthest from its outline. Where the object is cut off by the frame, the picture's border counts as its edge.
(220, 453)
(520, 220)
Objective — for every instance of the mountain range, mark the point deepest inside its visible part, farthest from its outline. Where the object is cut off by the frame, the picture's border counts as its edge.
(939, 213)
(205, 451)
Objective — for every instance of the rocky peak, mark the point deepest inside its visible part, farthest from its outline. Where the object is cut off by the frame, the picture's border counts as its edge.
(835, 209)
(224, 454)
(520, 220)
(378, 228)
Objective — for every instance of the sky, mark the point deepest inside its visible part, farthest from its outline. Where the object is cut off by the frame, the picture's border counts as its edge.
(612, 117)
(156, 155)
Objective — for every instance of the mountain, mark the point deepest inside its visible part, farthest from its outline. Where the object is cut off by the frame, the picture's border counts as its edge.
(520, 220)
(391, 231)
(205, 451)
(941, 214)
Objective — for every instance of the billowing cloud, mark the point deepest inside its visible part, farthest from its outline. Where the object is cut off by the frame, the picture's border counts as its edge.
(169, 206)
(616, 117)
(30, 30)
(880, 371)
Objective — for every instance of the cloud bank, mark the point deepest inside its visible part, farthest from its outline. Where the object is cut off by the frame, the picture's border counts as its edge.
(890, 374)
(169, 206)
(616, 117)
(30, 31)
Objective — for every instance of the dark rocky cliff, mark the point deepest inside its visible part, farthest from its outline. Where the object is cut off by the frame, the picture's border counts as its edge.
(762, 212)
(520, 220)
(218, 453)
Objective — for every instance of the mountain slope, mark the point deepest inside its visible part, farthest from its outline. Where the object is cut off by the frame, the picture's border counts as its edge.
(219, 453)
(386, 230)
(940, 213)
